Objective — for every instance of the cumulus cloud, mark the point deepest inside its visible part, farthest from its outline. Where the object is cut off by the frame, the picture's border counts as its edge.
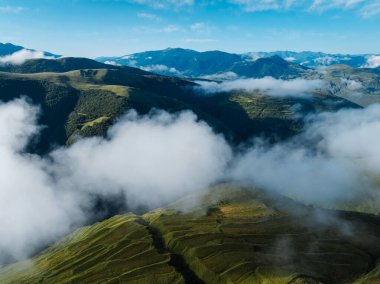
(21, 56)
(151, 160)
(373, 61)
(269, 85)
(32, 212)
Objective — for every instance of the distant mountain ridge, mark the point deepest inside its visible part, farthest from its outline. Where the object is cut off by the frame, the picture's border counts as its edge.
(191, 63)
(9, 49)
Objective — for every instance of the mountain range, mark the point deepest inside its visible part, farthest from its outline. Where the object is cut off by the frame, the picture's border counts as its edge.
(186, 62)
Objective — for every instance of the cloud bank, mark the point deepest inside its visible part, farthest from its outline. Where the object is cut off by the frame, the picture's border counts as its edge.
(334, 162)
(150, 160)
(269, 85)
(154, 159)
(21, 56)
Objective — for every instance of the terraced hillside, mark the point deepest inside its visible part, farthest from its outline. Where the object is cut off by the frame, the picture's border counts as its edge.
(228, 235)
(85, 102)
(118, 249)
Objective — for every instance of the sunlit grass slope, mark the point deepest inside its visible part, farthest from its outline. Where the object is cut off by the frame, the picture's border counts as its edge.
(118, 250)
(228, 235)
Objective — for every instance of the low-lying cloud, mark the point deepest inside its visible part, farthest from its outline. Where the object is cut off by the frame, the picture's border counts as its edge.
(159, 68)
(151, 160)
(221, 76)
(154, 159)
(19, 57)
(373, 61)
(334, 162)
(268, 85)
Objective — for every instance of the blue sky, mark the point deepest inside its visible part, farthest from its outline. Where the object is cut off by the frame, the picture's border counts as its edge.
(94, 28)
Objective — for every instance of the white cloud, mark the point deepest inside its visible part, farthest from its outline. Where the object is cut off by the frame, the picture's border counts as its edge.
(221, 76)
(365, 8)
(11, 9)
(373, 61)
(351, 85)
(268, 85)
(259, 5)
(335, 162)
(170, 29)
(290, 59)
(159, 68)
(151, 160)
(198, 27)
(32, 212)
(332, 4)
(149, 16)
(371, 9)
(21, 56)
(162, 4)
(114, 63)
(325, 60)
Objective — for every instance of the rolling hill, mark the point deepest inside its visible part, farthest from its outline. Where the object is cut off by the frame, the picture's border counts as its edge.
(82, 97)
(233, 235)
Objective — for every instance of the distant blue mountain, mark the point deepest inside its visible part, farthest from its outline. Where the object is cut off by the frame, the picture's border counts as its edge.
(315, 59)
(190, 63)
(9, 48)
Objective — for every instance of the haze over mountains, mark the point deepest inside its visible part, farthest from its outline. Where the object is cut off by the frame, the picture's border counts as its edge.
(238, 169)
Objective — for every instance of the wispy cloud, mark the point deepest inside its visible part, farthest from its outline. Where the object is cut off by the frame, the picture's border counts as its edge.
(370, 10)
(197, 27)
(149, 16)
(11, 9)
(332, 4)
(162, 4)
(364, 8)
(263, 5)
(170, 29)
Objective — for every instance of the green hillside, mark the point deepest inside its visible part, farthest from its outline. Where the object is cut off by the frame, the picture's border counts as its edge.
(85, 102)
(359, 85)
(230, 234)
